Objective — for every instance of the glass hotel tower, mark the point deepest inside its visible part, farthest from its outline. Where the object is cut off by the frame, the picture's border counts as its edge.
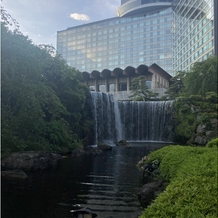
(170, 33)
(194, 32)
(140, 34)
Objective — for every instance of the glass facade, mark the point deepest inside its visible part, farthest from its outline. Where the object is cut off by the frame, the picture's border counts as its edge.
(171, 33)
(136, 7)
(193, 32)
(119, 42)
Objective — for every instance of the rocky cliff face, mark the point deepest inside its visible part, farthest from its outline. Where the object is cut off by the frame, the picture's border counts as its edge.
(196, 121)
(206, 132)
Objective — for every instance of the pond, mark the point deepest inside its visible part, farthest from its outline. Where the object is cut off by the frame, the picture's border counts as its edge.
(107, 184)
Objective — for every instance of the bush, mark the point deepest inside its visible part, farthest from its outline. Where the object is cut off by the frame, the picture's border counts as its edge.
(196, 97)
(192, 176)
(211, 97)
(213, 143)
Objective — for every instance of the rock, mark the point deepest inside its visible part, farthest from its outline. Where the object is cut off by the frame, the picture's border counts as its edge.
(30, 160)
(123, 143)
(77, 152)
(149, 176)
(201, 128)
(148, 193)
(214, 122)
(88, 150)
(93, 150)
(105, 147)
(201, 140)
(18, 174)
(211, 134)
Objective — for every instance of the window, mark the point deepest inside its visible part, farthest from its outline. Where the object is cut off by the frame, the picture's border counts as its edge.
(111, 87)
(101, 88)
(148, 84)
(122, 86)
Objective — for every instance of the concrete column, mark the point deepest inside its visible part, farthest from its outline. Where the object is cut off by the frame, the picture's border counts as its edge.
(153, 82)
(128, 83)
(106, 85)
(117, 84)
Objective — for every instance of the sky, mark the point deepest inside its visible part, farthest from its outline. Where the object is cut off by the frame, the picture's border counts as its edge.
(41, 19)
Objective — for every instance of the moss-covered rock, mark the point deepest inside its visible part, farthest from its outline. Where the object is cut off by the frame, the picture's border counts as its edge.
(196, 119)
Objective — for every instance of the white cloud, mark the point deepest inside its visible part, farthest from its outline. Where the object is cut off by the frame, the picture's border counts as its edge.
(77, 16)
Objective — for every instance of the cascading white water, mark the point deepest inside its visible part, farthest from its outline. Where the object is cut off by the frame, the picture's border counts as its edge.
(133, 121)
(147, 121)
(119, 128)
(106, 122)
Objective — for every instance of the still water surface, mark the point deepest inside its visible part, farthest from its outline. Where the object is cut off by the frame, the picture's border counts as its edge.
(107, 183)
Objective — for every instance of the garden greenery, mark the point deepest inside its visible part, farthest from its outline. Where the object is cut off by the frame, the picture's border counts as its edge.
(192, 176)
(43, 99)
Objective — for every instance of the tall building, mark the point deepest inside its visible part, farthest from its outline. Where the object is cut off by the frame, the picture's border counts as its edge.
(194, 32)
(171, 33)
(141, 34)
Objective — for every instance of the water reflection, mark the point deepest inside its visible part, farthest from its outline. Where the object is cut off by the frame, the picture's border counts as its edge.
(106, 183)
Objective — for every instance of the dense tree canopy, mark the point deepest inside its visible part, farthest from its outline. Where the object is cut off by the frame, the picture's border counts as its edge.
(43, 98)
(200, 80)
(202, 77)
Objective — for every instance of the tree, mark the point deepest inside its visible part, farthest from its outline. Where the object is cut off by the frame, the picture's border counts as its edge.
(176, 85)
(43, 98)
(202, 77)
(140, 91)
(199, 80)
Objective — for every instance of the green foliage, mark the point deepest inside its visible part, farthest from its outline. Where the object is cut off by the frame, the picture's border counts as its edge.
(192, 191)
(43, 98)
(185, 121)
(213, 143)
(212, 97)
(202, 77)
(198, 81)
(176, 85)
(195, 97)
(192, 111)
(140, 91)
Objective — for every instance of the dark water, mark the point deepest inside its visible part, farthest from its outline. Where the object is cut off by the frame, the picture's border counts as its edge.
(107, 183)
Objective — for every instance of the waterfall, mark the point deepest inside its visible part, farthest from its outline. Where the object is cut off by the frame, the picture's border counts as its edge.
(132, 120)
(147, 121)
(106, 121)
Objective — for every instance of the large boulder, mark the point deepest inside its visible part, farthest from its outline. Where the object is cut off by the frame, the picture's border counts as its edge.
(123, 143)
(200, 140)
(105, 147)
(14, 174)
(149, 192)
(77, 152)
(88, 150)
(30, 160)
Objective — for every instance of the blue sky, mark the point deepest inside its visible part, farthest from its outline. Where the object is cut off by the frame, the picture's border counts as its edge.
(41, 19)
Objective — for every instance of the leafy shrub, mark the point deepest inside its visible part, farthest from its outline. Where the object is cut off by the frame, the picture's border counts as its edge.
(213, 143)
(196, 97)
(192, 191)
(211, 97)
(194, 196)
